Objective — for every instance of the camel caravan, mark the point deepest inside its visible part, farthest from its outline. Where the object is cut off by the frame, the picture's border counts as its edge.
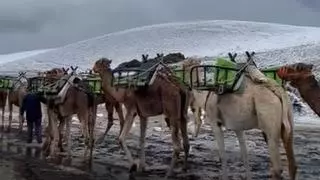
(238, 96)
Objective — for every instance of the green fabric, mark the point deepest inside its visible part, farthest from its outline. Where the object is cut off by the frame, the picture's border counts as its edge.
(183, 76)
(271, 73)
(6, 83)
(95, 84)
(225, 76)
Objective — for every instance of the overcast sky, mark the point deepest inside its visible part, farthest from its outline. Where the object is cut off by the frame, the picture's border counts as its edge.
(39, 24)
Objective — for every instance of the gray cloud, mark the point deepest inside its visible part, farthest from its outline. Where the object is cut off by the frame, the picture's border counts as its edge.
(33, 24)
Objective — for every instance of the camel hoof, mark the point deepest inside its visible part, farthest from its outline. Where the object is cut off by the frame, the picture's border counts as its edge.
(133, 168)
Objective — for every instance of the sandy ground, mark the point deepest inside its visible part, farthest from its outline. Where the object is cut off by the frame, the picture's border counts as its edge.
(20, 161)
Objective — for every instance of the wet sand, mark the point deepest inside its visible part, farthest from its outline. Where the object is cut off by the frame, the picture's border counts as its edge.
(23, 161)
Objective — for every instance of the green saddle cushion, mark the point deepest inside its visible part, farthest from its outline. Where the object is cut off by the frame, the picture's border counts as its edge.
(95, 84)
(271, 73)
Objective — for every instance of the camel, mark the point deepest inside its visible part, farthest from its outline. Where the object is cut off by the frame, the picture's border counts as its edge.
(300, 76)
(262, 105)
(15, 97)
(116, 98)
(164, 96)
(78, 100)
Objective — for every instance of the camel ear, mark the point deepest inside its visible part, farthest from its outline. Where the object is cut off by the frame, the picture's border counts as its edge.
(108, 62)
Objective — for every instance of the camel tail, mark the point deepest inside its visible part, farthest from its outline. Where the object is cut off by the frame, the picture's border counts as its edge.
(287, 134)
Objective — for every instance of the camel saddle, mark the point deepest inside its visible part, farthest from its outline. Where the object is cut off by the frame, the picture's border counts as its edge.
(135, 77)
(140, 74)
(94, 81)
(46, 86)
(223, 76)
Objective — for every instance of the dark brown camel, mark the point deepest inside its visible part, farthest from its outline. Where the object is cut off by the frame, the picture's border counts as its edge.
(301, 77)
(165, 96)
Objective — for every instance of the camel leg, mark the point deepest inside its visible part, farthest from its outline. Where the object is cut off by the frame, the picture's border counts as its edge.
(273, 145)
(288, 143)
(109, 109)
(3, 113)
(55, 134)
(10, 119)
(167, 120)
(91, 124)
(176, 145)
(120, 114)
(68, 136)
(84, 126)
(142, 155)
(198, 122)
(84, 121)
(218, 134)
(243, 149)
(185, 139)
(61, 134)
(126, 129)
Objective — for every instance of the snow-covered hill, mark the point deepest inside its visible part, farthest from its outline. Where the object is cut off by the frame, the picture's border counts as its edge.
(277, 43)
(5, 58)
(273, 43)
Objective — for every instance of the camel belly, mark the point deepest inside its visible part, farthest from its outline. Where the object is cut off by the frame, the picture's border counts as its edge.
(239, 121)
(237, 115)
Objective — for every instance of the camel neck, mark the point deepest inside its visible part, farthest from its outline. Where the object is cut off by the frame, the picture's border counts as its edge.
(106, 77)
(310, 92)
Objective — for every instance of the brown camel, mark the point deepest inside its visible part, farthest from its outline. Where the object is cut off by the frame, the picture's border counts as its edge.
(301, 77)
(115, 96)
(78, 100)
(262, 105)
(165, 96)
(14, 97)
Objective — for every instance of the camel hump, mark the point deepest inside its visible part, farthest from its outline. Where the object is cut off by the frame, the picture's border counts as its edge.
(131, 64)
(173, 58)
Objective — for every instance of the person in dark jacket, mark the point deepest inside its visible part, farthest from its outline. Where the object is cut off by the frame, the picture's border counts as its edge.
(31, 104)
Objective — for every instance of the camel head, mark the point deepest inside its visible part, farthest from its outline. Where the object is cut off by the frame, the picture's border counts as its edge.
(295, 72)
(101, 65)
